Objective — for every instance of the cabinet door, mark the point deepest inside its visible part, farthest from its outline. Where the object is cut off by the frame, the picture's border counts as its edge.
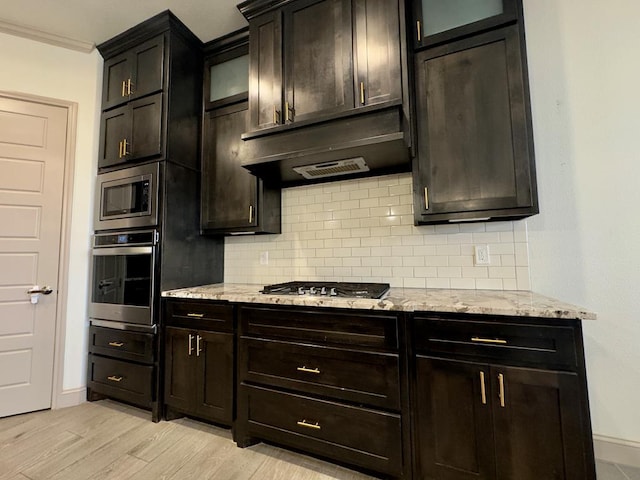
(179, 376)
(437, 21)
(116, 72)
(146, 127)
(265, 71)
(538, 422)
(377, 45)
(147, 60)
(214, 398)
(475, 156)
(228, 190)
(318, 59)
(453, 420)
(115, 127)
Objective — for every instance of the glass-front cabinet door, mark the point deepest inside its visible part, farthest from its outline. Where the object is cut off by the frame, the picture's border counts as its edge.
(226, 80)
(438, 21)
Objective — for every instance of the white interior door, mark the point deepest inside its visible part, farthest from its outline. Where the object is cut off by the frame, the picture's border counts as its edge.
(32, 155)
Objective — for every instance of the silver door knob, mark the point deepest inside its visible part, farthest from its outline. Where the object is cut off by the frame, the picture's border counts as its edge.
(46, 290)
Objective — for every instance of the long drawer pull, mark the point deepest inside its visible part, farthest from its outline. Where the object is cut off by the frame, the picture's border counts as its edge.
(116, 344)
(489, 340)
(195, 315)
(113, 378)
(304, 423)
(308, 370)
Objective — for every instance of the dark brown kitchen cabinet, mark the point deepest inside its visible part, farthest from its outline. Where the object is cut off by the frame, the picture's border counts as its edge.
(132, 132)
(199, 356)
(133, 74)
(151, 98)
(321, 380)
(439, 21)
(508, 416)
(475, 146)
(232, 199)
(311, 60)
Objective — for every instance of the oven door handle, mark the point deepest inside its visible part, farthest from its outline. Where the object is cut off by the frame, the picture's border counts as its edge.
(114, 251)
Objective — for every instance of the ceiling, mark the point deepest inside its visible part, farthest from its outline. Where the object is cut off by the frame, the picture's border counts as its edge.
(80, 24)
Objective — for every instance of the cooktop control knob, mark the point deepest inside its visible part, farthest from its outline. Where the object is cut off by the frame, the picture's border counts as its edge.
(333, 292)
(301, 291)
(323, 291)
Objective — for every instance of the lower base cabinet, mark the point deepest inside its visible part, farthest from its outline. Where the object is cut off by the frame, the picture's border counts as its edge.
(199, 361)
(491, 420)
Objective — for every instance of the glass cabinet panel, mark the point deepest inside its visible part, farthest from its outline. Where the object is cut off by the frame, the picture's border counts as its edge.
(442, 15)
(229, 78)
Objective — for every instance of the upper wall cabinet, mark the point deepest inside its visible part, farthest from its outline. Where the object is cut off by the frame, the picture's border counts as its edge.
(134, 73)
(474, 138)
(327, 83)
(438, 21)
(314, 59)
(151, 99)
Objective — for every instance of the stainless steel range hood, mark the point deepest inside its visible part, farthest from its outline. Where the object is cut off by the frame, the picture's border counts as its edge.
(299, 153)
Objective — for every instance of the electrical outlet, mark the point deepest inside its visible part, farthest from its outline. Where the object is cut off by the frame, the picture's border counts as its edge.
(481, 256)
(264, 258)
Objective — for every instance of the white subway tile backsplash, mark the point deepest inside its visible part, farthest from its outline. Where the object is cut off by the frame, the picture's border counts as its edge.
(362, 230)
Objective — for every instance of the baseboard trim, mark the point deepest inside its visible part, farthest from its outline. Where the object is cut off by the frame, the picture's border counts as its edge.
(616, 450)
(70, 398)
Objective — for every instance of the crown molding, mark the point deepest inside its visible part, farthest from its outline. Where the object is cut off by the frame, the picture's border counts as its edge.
(45, 37)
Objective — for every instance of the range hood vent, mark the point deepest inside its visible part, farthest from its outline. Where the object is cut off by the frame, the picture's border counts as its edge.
(332, 169)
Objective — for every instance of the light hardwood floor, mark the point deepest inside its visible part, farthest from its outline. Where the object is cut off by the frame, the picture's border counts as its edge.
(108, 440)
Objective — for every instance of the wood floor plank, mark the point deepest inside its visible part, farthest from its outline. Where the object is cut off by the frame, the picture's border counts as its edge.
(124, 467)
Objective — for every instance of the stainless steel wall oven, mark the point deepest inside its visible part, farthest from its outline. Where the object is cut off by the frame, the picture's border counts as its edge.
(122, 278)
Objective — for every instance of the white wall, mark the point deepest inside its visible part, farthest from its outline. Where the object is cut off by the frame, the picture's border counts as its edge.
(584, 246)
(39, 69)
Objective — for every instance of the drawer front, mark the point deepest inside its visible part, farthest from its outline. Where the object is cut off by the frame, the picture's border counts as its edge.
(321, 326)
(200, 315)
(360, 377)
(367, 438)
(127, 381)
(552, 345)
(122, 344)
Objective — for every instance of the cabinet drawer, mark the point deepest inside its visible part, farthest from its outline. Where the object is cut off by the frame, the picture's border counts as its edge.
(123, 380)
(122, 344)
(321, 326)
(364, 437)
(360, 377)
(550, 345)
(200, 314)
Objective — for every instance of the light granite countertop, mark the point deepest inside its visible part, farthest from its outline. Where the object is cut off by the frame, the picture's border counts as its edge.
(488, 302)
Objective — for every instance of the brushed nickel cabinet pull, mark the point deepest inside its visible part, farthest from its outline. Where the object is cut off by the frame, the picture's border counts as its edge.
(113, 378)
(483, 389)
(198, 349)
(426, 198)
(195, 315)
(304, 423)
(308, 370)
(419, 28)
(501, 394)
(488, 340)
(190, 344)
(362, 93)
(116, 344)
(250, 213)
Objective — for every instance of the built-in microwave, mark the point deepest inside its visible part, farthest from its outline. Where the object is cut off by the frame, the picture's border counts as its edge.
(127, 198)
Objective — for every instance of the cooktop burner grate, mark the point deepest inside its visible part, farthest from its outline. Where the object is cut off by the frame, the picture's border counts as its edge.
(328, 289)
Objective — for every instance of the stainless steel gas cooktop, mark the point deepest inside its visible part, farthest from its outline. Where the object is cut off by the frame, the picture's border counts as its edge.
(329, 289)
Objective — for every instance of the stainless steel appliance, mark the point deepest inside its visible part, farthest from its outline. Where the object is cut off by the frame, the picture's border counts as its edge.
(329, 289)
(122, 278)
(128, 198)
